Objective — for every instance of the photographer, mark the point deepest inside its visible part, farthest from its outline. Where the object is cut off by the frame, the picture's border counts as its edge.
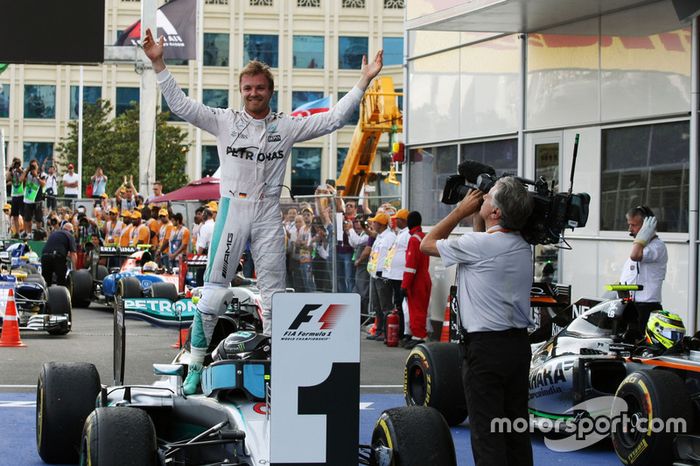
(32, 201)
(14, 178)
(51, 188)
(494, 277)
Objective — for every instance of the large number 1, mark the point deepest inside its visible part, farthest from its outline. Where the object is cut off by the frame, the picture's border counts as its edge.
(338, 398)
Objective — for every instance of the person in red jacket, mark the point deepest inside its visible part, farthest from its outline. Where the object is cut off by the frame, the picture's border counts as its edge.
(416, 283)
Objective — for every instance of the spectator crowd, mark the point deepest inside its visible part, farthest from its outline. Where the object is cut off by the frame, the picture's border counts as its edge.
(371, 250)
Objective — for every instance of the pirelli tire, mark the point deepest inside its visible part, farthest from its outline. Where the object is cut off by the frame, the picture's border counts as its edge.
(80, 286)
(129, 287)
(58, 303)
(433, 377)
(65, 396)
(164, 290)
(652, 395)
(118, 436)
(412, 436)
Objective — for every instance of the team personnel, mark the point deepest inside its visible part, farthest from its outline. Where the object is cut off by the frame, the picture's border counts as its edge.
(416, 283)
(59, 247)
(380, 289)
(254, 146)
(125, 236)
(646, 264)
(395, 265)
(140, 233)
(494, 274)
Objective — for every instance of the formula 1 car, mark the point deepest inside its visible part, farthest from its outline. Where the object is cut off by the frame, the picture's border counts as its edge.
(39, 308)
(78, 419)
(588, 360)
(97, 285)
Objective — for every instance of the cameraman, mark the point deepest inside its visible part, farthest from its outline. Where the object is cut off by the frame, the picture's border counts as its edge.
(14, 178)
(494, 277)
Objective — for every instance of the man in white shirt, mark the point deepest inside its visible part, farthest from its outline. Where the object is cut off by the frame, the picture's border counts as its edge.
(646, 265)
(381, 292)
(51, 188)
(395, 266)
(205, 232)
(70, 185)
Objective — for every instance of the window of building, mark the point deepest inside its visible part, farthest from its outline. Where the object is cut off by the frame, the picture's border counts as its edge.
(646, 165)
(261, 47)
(306, 169)
(393, 50)
(175, 62)
(342, 154)
(165, 108)
(39, 101)
(308, 52)
(210, 160)
(429, 168)
(273, 102)
(399, 98)
(260, 2)
(394, 4)
(91, 94)
(309, 3)
(215, 98)
(126, 97)
(350, 52)
(216, 47)
(353, 3)
(4, 100)
(304, 97)
(355, 113)
(37, 150)
(216, 2)
(501, 155)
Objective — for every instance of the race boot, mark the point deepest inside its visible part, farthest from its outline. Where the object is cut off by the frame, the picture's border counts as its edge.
(194, 377)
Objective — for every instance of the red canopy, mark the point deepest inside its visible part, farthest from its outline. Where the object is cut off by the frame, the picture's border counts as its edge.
(205, 189)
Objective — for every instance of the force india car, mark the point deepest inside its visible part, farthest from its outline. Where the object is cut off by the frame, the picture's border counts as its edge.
(97, 285)
(585, 361)
(230, 422)
(39, 308)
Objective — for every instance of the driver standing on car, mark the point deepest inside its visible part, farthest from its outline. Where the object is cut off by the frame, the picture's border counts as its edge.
(58, 248)
(254, 145)
(494, 277)
(646, 264)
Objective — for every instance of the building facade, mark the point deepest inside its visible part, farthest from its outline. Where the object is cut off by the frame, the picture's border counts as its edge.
(315, 48)
(511, 83)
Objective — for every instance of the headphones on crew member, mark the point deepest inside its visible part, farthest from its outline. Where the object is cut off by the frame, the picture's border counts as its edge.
(643, 211)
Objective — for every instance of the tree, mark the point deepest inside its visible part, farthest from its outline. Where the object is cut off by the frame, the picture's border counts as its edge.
(113, 144)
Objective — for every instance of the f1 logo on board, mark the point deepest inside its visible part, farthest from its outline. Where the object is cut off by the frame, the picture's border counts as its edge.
(314, 323)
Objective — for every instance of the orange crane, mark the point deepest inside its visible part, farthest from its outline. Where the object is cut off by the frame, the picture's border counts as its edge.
(379, 113)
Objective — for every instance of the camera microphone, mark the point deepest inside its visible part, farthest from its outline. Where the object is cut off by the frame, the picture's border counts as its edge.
(471, 169)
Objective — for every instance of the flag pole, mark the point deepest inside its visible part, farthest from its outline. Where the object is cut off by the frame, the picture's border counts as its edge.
(200, 66)
(3, 192)
(80, 133)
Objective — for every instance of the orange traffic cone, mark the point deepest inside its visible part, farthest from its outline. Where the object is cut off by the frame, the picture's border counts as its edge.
(181, 338)
(445, 334)
(10, 327)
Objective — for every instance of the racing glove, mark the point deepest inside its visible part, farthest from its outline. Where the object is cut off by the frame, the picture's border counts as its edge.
(647, 232)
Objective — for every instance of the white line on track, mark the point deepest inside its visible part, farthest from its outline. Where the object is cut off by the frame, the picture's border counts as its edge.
(17, 386)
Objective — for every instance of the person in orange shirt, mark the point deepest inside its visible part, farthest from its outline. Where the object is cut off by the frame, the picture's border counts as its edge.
(140, 234)
(179, 241)
(125, 236)
(163, 236)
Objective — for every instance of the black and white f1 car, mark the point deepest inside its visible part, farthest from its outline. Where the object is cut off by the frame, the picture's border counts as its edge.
(230, 422)
(587, 363)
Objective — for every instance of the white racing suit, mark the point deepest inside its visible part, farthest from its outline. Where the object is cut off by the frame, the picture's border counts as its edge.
(253, 158)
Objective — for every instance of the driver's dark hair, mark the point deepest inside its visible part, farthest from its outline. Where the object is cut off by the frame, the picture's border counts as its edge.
(510, 196)
(640, 211)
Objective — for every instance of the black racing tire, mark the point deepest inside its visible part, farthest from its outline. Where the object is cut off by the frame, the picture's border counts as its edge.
(119, 436)
(657, 394)
(164, 290)
(80, 287)
(101, 272)
(65, 396)
(129, 287)
(414, 436)
(58, 303)
(35, 278)
(433, 377)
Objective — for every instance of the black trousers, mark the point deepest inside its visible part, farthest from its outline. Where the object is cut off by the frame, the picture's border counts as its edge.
(54, 264)
(496, 384)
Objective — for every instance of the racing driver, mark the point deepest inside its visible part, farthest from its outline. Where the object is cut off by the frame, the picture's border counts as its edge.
(254, 145)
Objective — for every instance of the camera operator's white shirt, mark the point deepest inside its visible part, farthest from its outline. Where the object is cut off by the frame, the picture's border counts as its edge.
(649, 272)
(494, 271)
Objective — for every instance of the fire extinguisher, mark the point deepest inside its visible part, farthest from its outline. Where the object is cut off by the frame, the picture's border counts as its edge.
(392, 329)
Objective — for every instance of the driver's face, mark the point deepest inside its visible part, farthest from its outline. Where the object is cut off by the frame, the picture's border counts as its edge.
(634, 224)
(256, 94)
